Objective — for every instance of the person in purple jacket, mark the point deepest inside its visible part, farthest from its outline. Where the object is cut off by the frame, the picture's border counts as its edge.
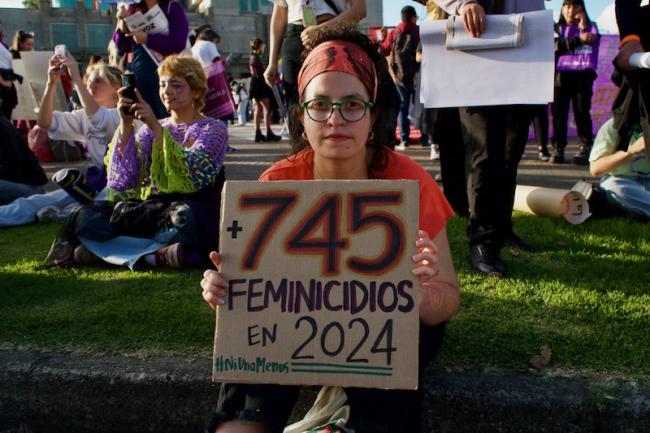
(576, 54)
(148, 48)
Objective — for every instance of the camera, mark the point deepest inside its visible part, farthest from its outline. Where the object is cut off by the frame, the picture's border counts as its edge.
(128, 81)
(60, 50)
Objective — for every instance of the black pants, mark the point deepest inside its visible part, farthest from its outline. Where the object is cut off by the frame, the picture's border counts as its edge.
(291, 51)
(540, 123)
(446, 131)
(495, 138)
(573, 88)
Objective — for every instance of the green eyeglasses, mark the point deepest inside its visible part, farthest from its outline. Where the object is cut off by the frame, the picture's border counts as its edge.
(351, 108)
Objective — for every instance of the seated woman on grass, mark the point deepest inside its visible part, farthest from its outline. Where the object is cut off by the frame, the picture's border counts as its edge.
(171, 171)
(333, 132)
(94, 126)
(626, 173)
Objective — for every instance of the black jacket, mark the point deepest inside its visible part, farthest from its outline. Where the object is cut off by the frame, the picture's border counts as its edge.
(17, 163)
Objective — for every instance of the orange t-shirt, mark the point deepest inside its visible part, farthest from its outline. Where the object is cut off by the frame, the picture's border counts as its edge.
(434, 208)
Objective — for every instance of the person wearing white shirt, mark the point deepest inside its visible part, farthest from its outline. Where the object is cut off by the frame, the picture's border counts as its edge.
(289, 35)
(205, 48)
(94, 126)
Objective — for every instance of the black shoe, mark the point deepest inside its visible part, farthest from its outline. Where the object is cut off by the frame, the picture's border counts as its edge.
(557, 157)
(271, 137)
(259, 137)
(515, 241)
(543, 154)
(582, 157)
(486, 261)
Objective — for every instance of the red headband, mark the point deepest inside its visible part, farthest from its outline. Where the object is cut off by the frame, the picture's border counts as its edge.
(339, 56)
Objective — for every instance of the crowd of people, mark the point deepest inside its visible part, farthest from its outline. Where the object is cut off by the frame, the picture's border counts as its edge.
(153, 121)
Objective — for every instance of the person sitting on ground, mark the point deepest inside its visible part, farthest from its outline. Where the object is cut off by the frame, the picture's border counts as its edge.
(333, 139)
(166, 180)
(625, 173)
(94, 126)
(20, 173)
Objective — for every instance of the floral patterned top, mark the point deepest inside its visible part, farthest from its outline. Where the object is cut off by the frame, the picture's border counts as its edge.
(188, 160)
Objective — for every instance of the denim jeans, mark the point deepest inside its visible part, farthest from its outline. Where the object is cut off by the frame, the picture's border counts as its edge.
(632, 194)
(10, 191)
(405, 93)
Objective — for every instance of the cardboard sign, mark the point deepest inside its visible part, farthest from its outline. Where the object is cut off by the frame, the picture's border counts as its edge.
(321, 290)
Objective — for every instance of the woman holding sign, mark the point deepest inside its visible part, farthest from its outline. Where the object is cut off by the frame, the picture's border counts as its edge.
(333, 132)
(149, 31)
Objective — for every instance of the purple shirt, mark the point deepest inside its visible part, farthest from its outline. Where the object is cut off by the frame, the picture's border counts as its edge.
(202, 143)
(582, 57)
(172, 43)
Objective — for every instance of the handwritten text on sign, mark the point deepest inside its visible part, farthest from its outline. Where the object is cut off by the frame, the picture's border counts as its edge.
(320, 284)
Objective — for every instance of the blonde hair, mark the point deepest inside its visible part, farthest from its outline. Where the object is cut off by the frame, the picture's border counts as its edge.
(109, 73)
(191, 71)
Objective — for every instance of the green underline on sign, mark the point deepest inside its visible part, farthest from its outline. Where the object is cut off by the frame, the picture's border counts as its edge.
(341, 366)
(360, 372)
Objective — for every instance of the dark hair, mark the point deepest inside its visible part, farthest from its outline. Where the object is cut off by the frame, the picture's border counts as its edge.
(208, 35)
(348, 32)
(255, 44)
(19, 38)
(561, 19)
(408, 12)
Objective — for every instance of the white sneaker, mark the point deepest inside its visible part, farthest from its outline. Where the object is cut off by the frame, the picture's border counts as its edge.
(435, 154)
(401, 146)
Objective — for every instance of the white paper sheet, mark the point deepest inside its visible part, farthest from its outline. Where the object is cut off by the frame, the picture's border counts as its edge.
(522, 75)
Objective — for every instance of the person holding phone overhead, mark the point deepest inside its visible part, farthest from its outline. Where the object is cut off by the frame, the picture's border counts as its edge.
(148, 46)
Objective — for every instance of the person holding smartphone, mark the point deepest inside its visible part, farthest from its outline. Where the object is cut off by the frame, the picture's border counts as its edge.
(148, 48)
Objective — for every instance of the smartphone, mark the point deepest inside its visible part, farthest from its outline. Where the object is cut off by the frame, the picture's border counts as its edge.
(128, 81)
(61, 50)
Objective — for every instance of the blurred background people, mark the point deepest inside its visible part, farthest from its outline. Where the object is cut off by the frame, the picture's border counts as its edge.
(576, 53)
(23, 41)
(260, 93)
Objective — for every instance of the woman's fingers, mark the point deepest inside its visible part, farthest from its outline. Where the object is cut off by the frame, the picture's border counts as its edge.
(215, 259)
(214, 288)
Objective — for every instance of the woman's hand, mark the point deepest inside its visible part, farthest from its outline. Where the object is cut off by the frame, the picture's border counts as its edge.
(139, 37)
(213, 284)
(125, 107)
(637, 148)
(473, 16)
(73, 69)
(426, 260)
(309, 35)
(55, 68)
(271, 75)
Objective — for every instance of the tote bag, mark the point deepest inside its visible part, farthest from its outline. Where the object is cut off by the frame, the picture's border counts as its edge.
(218, 100)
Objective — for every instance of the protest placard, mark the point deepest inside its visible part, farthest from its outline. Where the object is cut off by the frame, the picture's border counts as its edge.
(321, 289)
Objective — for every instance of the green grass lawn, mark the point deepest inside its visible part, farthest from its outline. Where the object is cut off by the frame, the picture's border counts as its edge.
(586, 296)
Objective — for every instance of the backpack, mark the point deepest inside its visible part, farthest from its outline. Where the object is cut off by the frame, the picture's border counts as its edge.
(403, 51)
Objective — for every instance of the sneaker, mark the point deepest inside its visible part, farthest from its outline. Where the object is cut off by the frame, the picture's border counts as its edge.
(582, 157)
(543, 154)
(401, 146)
(83, 256)
(435, 153)
(259, 137)
(171, 256)
(272, 138)
(48, 214)
(558, 157)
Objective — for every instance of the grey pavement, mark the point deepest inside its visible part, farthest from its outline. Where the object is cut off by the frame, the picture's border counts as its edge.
(250, 159)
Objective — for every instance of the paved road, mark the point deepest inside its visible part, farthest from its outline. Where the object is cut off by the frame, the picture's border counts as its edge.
(250, 159)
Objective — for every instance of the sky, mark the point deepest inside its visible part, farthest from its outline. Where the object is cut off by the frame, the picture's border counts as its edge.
(392, 8)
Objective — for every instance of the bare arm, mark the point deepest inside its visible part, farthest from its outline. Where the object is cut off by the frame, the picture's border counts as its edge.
(355, 13)
(279, 20)
(87, 101)
(46, 107)
(610, 162)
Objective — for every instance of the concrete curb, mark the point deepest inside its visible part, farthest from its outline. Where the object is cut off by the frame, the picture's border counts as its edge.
(65, 393)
